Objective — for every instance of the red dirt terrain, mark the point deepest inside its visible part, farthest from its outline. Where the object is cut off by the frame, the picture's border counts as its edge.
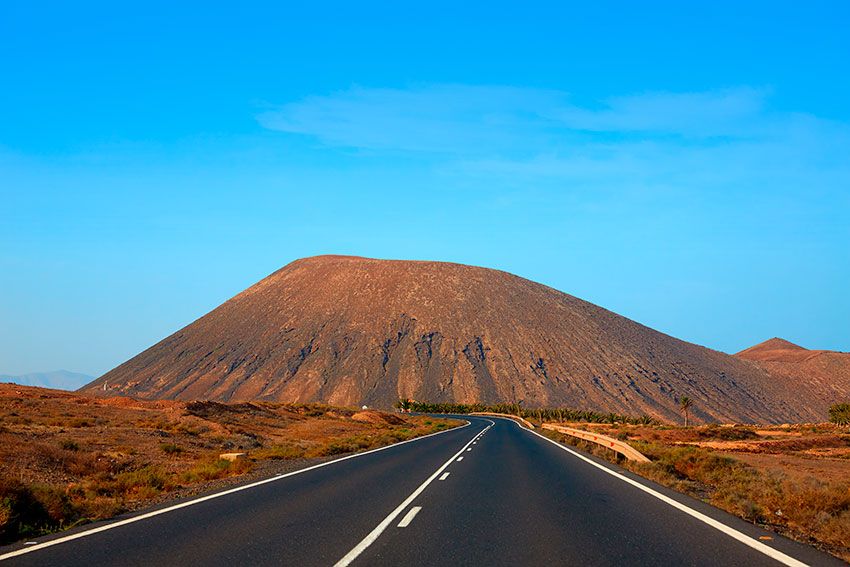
(353, 331)
(823, 376)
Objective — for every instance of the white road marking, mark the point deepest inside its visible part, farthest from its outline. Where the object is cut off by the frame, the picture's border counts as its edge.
(459, 459)
(30, 543)
(379, 529)
(716, 524)
(141, 517)
(445, 476)
(409, 517)
(470, 449)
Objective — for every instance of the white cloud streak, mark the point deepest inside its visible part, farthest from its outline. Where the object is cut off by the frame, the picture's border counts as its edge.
(715, 140)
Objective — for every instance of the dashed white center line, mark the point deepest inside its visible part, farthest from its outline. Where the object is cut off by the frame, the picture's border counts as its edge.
(409, 517)
(445, 476)
(117, 524)
(30, 543)
(469, 449)
(379, 529)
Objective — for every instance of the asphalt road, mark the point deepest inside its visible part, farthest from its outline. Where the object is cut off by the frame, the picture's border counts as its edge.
(489, 493)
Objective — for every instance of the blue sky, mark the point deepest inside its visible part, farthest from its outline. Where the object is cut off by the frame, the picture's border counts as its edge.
(686, 167)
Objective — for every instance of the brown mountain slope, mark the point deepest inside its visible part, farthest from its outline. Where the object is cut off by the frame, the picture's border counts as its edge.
(822, 375)
(348, 330)
(776, 349)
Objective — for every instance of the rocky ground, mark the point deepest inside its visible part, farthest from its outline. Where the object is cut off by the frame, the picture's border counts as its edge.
(793, 479)
(67, 459)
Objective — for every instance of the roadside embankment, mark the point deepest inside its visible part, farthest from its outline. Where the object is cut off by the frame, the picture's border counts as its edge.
(67, 459)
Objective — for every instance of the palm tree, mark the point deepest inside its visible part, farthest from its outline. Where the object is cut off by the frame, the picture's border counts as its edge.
(685, 403)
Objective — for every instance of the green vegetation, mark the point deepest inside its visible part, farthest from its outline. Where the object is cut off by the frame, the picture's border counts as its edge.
(35, 509)
(69, 445)
(840, 413)
(387, 435)
(170, 448)
(540, 414)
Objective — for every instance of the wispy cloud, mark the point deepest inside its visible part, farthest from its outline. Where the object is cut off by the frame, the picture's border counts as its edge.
(726, 112)
(719, 139)
(479, 118)
(440, 118)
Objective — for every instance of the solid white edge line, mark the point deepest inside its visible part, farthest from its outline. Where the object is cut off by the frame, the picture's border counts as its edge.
(379, 529)
(186, 504)
(409, 517)
(716, 524)
(445, 475)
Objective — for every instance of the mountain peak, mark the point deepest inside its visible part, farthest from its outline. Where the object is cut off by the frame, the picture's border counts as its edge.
(775, 349)
(776, 343)
(348, 330)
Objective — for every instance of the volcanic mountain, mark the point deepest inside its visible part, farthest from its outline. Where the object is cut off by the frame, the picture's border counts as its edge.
(354, 331)
(822, 375)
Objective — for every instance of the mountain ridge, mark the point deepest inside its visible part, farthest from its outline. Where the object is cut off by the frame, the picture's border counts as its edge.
(358, 331)
(55, 379)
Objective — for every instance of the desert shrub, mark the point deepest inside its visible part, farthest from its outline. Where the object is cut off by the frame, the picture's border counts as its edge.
(142, 483)
(54, 501)
(192, 430)
(69, 445)
(215, 468)
(82, 463)
(349, 445)
(170, 448)
(284, 451)
(21, 514)
(808, 506)
(736, 433)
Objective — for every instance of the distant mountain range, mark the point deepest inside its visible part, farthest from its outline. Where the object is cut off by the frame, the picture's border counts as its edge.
(353, 331)
(58, 379)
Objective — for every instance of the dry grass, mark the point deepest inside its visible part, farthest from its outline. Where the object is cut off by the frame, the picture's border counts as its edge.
(751, 473)
(67, 459)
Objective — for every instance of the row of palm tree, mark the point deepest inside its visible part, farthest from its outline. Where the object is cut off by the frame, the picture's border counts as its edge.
(541, 414)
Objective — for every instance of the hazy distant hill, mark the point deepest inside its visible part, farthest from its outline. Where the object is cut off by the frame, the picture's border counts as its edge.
(354, 331)
(58, 379)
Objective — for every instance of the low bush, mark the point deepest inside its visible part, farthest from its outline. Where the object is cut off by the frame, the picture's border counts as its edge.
(736, 433)
(280, 452)
(213, 469)
(170, 448)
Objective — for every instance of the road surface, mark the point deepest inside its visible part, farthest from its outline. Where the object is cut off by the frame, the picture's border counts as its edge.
(490, 493)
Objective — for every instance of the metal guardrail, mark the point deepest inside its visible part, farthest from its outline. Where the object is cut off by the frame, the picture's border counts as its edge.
(616, 445)
(507, 415)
